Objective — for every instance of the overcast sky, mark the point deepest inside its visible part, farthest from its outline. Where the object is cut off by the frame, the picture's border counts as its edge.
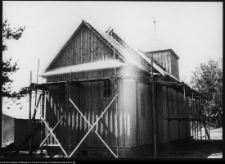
(192, 29)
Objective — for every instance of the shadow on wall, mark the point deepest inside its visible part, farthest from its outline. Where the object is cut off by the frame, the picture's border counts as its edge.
(7, 128)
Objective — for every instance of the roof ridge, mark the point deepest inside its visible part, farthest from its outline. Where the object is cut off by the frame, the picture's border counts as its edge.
(142, 54)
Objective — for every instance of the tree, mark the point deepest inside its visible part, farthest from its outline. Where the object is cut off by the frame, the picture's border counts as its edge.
(207, 79)
(7, 67)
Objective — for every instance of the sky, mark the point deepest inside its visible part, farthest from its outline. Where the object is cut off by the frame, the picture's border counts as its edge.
(192, 29)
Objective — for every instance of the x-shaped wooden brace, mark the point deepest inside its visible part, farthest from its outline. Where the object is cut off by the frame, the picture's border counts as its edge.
(51, 132)
(92, 126)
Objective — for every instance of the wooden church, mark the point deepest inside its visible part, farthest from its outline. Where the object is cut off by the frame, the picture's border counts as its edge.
(99, 79)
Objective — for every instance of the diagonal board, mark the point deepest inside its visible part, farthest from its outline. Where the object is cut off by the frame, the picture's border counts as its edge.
(53, 129)
(92, 126)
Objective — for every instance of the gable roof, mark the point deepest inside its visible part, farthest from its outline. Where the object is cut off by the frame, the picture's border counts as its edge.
(141, 54)
(119, 50)
(114, 45)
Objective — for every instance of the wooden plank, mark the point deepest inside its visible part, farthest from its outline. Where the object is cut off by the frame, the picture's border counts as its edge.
(97, 49)
(120, 103)
(81, 45)
(72, 96)
(73, 51)
(123, 126)
(90, 111)
(55, 108)
(94, 86)
(161, 116)
(86, 111)
(69, 118)
(92, 45)
(78, 115)
(81, 92)
(102, 51)
(52, 108)
(84, 45)
(110, 135)
(105, 47)
(105, 122)
(87, 98)
(98, 110)
(165, 110)
(65, 130)
(137, 117)
(88, 46)
(77, 48)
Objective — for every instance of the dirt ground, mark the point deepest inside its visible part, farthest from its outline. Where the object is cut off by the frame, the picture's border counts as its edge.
(201, 149)
(194, 149)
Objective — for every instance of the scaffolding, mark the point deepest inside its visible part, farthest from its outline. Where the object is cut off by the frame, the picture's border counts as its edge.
(43, 88)
(196, 118)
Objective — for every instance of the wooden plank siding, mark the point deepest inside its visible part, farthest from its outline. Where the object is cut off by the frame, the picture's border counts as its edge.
(160, 114)
(167, 60)
(173, 113)
(92, 104)
(85, 47)
(187, 112)
(145, 126)
(165, 115)
(134, 128)
(182, 123)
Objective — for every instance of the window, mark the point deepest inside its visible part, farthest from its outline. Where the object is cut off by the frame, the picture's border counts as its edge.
(107, 88)
(62, 92)
(142, 105)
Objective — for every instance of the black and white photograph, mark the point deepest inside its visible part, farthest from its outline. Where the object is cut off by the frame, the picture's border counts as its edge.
(112, 80)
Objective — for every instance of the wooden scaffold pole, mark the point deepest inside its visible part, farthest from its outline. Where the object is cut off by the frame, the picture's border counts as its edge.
(197, 108)
(30, 99)
(192, 113)
(153, 106)
(200, 117)
(42, 114)
(33, 119)
(187, 119)
(168, 116)
(117, 114)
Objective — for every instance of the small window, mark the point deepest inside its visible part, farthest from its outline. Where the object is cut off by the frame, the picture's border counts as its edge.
(62, 92)
(107, 88)
(142, 105)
